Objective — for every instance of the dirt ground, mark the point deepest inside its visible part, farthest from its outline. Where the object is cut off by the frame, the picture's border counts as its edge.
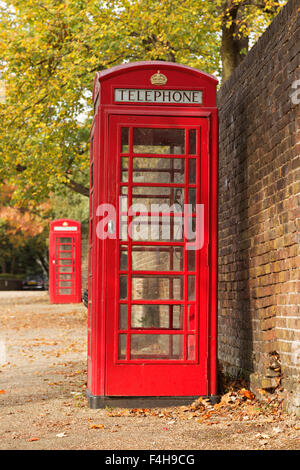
(43, 403)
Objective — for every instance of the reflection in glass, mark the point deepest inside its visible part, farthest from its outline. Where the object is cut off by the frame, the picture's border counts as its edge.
(155, 228)
(65, 240)
(191, 287)
(191, 347)
(191, 260)
(123, 317)
(65, 291)
(123, 259)
(192, 170)
(157, 258)
(123, 200)
(65, 283)
(192, 198)
(158, 141)
(123, 228)
(155, 199)
(157, 316)
(124, 140)
(158, 170)
(63, 262)
(122, 346)
(64, 269)
(192, 141)
(191, 317)
(123, 287)
(64, 276)
(124, 169)
(66, 254)
(155, 287)
(156, 346)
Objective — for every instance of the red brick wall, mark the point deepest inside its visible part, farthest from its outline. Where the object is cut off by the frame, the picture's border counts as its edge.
(259, 213)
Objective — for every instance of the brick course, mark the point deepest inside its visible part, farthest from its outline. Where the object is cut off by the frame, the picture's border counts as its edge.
(259, 212)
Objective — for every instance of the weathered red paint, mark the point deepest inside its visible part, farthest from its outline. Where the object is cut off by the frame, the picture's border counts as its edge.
(65, 261)
(194, 372)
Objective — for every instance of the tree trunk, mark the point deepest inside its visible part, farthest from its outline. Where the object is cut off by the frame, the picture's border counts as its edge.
(234, 48)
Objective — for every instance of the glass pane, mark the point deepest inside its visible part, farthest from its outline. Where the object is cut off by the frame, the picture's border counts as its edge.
(192, 141)
(190, 354)
(191, 287)
(65, 276)
(157, 228)
(124, 169)
(65, 239)
(191, 317)
(158, 170)
(65, 269)
(65, 291)
(65, 283)
(123, 317)
(157, 199)
(63, 262)
(190, 228)
(124, 140)
(156, 346)
(66, 254)
(123, 228)
(123, 259)
(65, 247)
(122, 346)
(192, 170)
(123, 287)
(123, 200)
(152, 287)
(159, 141)
(157, 258)
(191, 260)
(192, 198)
(157, 316)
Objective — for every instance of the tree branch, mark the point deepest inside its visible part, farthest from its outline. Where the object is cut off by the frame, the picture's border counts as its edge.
(78, 187)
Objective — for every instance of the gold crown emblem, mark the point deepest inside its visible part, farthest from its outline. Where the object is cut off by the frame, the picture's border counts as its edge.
(158, 79)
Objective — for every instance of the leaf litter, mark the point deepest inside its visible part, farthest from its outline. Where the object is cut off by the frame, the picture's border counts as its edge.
(237, 412)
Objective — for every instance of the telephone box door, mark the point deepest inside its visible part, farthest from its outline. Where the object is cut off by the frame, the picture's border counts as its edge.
(157, 247)
(65, 262)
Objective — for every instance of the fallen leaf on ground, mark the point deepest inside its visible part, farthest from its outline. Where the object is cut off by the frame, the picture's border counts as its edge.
(61, 434)
(246, 393)
(97, 426)
(32, 439)
(2, 392)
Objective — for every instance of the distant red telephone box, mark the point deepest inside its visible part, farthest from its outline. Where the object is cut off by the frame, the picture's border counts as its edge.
(153, 235)
(65, 261)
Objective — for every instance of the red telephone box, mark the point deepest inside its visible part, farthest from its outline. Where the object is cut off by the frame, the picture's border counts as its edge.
(65, 261)
(153, 235)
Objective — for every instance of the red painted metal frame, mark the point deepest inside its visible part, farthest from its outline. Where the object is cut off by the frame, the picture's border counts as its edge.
(65, 228)
(154, 379)
(102, 282)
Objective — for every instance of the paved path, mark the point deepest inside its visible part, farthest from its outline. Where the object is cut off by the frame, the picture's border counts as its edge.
(43, 404)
